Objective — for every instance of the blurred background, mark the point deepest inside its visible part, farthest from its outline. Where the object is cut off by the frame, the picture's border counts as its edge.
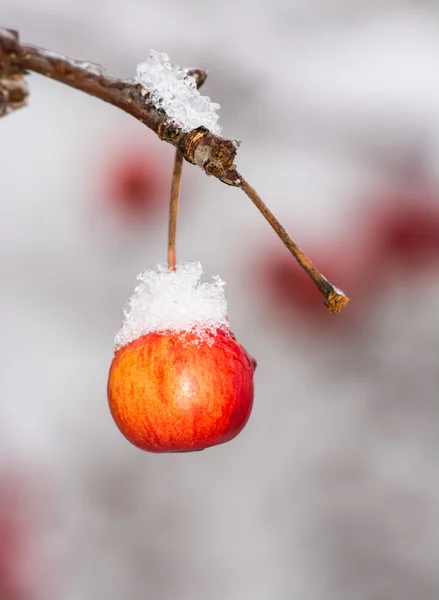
(331, 491)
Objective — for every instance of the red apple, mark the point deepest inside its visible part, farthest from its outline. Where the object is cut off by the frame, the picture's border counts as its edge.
(169, 394)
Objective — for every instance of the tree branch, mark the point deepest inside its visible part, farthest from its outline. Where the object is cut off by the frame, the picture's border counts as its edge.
(212, 153)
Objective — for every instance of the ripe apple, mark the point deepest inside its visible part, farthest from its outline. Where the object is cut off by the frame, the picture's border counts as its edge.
(170, 392)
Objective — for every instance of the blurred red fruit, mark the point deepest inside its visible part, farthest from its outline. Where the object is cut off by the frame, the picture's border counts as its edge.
(17, 552)
(405, 229)
(136, 182)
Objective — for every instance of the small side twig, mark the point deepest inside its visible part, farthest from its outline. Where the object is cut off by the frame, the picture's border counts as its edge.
(212, 153)
(335, 299)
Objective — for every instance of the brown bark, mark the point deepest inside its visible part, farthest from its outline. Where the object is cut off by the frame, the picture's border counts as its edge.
(214, 154)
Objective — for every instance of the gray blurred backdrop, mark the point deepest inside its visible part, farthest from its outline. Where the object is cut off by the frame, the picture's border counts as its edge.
(331, 491)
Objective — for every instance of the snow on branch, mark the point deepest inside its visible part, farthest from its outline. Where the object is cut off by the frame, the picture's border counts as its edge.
(200, 146)
(163, 97)
(174, 90)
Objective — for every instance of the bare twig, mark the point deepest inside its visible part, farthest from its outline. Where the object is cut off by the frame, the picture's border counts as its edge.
(214, 154)
(335, 299)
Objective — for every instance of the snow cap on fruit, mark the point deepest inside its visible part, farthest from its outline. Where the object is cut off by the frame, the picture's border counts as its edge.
(174, 301)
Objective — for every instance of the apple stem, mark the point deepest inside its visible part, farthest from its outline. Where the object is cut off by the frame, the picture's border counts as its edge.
(173, 209)
(335, 299)
(200, 77)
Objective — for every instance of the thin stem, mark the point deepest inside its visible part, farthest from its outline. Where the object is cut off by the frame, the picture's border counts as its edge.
(335, 299)
(173, 209)
(200, 77)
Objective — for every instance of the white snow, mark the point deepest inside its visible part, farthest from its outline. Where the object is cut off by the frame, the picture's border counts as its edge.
(172, 89)
(174, 301)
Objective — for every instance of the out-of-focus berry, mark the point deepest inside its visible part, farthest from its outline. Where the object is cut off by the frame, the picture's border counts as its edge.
(404, 228)
(135, 182)
(19, 558)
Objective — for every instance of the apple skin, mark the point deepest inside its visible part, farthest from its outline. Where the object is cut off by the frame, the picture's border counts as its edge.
(167, 394)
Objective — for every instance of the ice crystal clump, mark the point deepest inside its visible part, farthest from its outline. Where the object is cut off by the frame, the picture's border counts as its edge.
(174, 301)
(172, 89)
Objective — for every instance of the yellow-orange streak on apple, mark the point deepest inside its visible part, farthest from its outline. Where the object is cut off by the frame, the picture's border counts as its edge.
(167, 394)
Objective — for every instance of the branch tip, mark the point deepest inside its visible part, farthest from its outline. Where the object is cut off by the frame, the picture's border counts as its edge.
(336, 300)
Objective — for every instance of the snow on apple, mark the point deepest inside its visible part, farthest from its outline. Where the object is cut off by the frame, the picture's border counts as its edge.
(179, 380)
(174, 301)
